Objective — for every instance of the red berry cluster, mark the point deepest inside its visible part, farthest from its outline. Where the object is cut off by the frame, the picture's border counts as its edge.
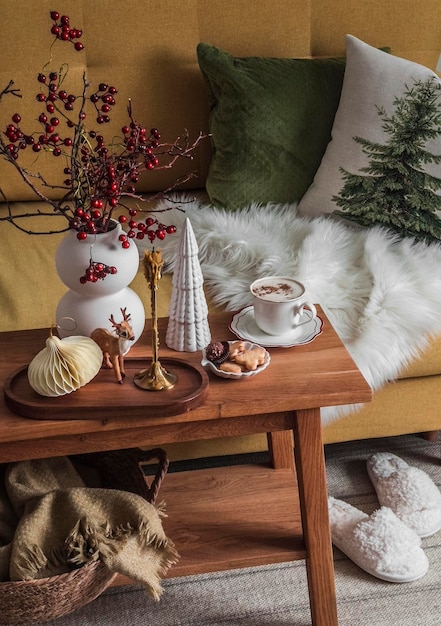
(86, 222)
(18, 140)
(103, 101)
(137, 142)
(54, 96)
(151, 228)
(97, 271)
(63, 31)
(49, 136)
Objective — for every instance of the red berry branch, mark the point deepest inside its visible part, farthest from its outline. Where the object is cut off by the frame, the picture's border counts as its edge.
(99, 175)
(62, 30)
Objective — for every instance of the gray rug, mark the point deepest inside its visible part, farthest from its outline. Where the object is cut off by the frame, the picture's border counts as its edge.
(277, 595)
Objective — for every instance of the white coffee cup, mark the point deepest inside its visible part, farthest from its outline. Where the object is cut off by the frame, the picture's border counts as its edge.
(279, 304)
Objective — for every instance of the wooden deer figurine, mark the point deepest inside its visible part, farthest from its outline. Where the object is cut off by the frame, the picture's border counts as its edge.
(115, 346)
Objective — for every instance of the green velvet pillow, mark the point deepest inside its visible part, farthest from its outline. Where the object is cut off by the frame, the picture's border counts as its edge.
(270, 121)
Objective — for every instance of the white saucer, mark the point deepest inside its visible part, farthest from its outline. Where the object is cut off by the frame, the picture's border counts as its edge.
(244, 326)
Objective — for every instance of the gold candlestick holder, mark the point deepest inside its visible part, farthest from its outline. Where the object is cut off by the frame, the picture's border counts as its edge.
(156, 377)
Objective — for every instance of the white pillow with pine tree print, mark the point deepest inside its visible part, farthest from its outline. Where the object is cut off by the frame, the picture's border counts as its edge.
(373, 81)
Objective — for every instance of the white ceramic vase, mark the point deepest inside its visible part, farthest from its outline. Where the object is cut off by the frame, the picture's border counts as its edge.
(88, 306)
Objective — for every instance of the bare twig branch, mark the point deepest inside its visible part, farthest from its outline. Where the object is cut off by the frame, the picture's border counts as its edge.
(8, 90)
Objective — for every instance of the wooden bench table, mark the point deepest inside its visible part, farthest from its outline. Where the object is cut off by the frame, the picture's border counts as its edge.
(224, 517)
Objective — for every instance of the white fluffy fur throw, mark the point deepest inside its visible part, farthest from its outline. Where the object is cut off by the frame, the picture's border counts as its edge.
(382, 294)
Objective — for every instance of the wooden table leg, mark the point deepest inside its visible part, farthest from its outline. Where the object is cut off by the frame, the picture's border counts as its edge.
(280, 446)
(313, 493)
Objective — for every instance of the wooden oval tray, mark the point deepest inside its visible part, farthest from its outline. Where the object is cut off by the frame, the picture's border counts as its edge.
(103, 397)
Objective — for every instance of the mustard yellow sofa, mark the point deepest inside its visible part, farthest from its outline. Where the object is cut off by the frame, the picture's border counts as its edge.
(148, 51)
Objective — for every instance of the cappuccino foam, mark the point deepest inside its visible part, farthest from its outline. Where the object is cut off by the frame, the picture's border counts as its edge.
(280, 291)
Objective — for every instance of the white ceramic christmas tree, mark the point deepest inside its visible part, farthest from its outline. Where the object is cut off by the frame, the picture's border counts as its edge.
(188, 329)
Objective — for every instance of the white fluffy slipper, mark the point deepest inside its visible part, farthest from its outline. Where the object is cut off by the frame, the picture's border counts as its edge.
(408, 491)
(379, 543)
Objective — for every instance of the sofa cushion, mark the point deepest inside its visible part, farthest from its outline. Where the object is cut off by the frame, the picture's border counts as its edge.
(427, 364)
(270, 121)
(373, 81)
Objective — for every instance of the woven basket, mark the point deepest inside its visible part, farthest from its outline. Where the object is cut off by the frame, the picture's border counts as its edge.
(122, 469)
(23, 603)
(36, 601)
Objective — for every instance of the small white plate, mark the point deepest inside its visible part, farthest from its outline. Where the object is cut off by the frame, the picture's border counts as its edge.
(244, 326)
(211, 367)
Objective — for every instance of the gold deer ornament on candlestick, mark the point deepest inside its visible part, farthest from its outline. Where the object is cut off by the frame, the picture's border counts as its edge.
(154, 378)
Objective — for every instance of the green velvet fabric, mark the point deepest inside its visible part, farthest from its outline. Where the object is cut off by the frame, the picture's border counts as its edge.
(270, 121)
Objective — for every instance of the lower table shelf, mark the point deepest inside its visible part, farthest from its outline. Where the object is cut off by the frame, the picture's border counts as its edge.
(229, 517)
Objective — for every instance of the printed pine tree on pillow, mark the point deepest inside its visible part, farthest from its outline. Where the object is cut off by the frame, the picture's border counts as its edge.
(396, 191)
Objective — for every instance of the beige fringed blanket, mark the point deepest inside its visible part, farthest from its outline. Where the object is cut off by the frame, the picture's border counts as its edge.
(50, 522)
